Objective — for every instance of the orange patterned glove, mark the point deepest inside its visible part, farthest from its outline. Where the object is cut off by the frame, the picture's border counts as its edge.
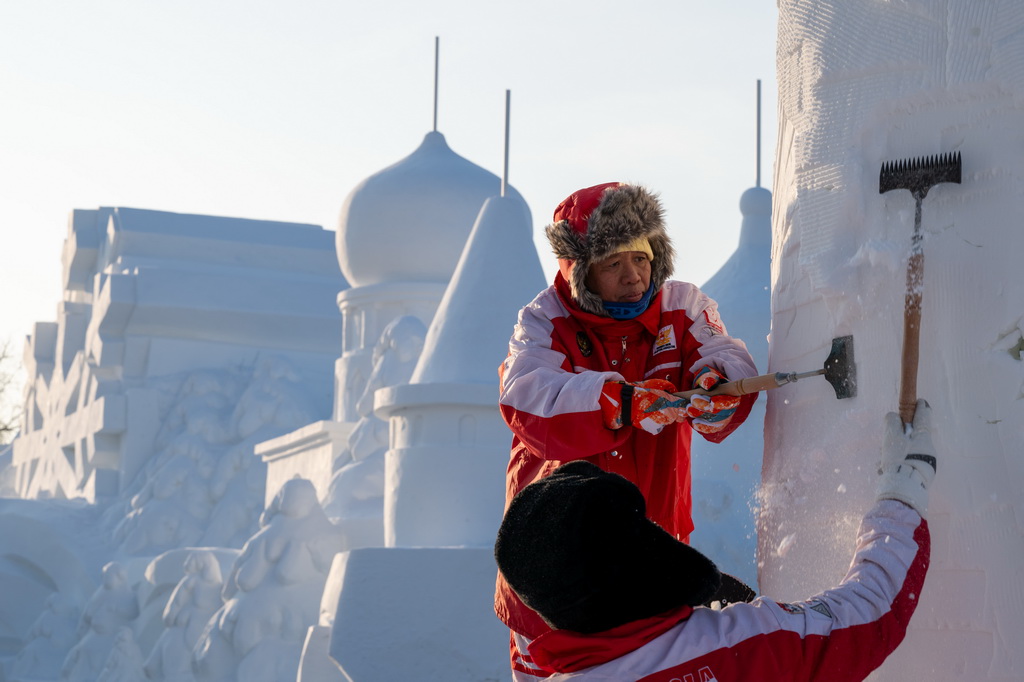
(648, 405)
(710, 414)
(708, 377)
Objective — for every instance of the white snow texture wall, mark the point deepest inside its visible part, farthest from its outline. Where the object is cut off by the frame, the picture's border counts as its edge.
(861, 83)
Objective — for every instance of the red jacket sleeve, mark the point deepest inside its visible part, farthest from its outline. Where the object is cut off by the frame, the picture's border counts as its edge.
(549, 407)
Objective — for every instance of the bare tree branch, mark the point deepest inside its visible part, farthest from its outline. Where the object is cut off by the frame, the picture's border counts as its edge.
(8, 399)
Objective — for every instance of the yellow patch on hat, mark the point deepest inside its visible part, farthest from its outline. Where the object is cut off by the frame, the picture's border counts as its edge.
(638, 244)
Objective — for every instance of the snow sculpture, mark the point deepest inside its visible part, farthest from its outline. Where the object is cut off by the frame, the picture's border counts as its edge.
(272, 595)
(204, 487)
(112, 606)
(727, 475)
(125, 661)
(399, 237)
(426, 202)
(48, 641)
(445, 465)
(8, 486)
(356, 496)
(192, 603)
(449, 447)
(862, 83)
(46, 548)
(148, 294)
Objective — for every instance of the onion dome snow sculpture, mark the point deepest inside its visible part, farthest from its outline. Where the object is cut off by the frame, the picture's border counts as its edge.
(400, 234)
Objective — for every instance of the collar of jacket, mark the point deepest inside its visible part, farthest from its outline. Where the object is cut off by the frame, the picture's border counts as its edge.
(649, 318)
(562, 651)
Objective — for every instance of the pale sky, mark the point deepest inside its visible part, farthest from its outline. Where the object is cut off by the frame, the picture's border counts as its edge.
(277, 109)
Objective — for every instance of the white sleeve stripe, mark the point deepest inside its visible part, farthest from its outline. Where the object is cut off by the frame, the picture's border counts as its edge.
(865, 596)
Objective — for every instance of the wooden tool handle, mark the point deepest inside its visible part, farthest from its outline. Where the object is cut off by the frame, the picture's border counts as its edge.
(763, 382)
(911, 338)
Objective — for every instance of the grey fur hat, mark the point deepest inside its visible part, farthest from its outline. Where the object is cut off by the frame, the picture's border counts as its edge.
(595, 223)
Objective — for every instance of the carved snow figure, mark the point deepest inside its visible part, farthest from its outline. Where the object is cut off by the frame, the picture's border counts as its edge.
(125, 661)
(112, 606)
(48, 640)
(204, 487)
(275, 401)
(237, 486)
(192, 603)
(273, 593)
(356, 495)
(171, 511)
(173, 504)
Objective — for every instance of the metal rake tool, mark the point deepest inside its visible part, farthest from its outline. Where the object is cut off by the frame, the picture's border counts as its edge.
(839, 370)
(918, 176)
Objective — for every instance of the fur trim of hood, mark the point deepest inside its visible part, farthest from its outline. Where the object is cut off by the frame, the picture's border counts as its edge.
(613, 214)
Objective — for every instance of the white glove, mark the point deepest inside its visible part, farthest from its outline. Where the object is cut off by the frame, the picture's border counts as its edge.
(908, 460)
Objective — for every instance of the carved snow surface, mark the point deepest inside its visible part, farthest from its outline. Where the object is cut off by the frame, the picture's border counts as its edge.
(272, 595)
(204, 488)
(125, 661)
(355, 498)
(863, 84)
(192, 603)
(51, 636)
(113, 606)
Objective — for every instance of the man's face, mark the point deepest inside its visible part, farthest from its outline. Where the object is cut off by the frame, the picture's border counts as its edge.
(621, 278)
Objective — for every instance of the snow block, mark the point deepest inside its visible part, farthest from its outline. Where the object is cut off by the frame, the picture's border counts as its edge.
(308, 453)
(316, 664)
(417, 614)
(445, 468)
(862, 84)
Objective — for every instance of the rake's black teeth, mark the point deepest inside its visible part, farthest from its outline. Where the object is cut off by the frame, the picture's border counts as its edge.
(919, 174)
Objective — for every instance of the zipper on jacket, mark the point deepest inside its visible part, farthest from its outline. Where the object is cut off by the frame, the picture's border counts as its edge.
(624, 358)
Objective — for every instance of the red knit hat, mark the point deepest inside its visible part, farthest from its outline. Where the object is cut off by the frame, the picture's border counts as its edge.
(596, 222)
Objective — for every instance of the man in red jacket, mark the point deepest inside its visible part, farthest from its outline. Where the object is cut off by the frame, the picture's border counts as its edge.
(623, 596)
(595, 358)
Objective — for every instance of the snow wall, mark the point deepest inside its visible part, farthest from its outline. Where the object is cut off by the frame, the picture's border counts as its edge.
(862, 83)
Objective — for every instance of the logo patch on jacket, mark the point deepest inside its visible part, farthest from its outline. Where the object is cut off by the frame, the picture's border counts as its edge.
(583, 341)
(666, 340)
(713, 323)
(821, 608)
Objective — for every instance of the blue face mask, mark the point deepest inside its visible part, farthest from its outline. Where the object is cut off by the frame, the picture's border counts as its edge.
(627, 311)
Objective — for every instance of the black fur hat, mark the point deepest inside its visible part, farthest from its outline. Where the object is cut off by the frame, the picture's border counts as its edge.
(578, 549)
(594, 223)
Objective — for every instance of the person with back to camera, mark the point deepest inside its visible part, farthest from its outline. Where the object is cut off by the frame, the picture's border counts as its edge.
(623, 596)
(593, 363)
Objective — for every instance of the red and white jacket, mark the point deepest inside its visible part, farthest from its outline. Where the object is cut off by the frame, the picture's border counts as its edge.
(560, 358)
(840, 635)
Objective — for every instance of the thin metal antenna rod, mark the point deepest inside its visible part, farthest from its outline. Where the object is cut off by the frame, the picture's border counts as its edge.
(758, 132)
(508, 113)
(437, 58)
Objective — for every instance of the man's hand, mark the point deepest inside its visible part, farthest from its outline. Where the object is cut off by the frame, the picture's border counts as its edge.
(648, 405)
(708, 377)
(710, 414)
(908, 460)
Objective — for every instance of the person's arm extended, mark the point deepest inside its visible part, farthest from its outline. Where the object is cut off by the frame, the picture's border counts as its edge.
(839, 635)
(547, 405)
